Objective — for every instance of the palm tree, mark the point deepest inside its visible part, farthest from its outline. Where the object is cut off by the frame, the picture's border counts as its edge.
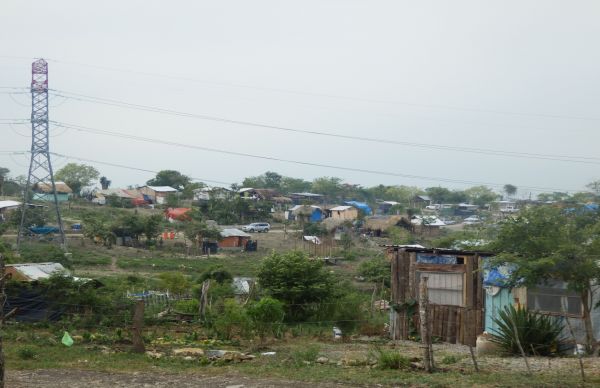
(510, 190)
(105, 183)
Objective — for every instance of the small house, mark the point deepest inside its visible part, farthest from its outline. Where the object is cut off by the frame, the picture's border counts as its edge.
(384, 207)
(43, 191)
(420, 201)
(455, 292)
(157, 194)
(344, 212)
(304, 197)
(29, 272)
(305, 213)
(208, 193)
(362, 206)
(552, 298)
(6, 206)
(233, 238)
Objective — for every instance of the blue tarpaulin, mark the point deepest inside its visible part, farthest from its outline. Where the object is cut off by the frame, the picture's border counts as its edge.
(361, 206)
(425, 258)
(43, 229)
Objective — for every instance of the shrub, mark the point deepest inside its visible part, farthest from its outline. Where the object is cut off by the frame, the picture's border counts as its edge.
(391, 359)
(233, 320)
(190, 306)
(539, 334)
(26, 353)
(376, 270)
(450, 359)
(266, 316)
(307, 354)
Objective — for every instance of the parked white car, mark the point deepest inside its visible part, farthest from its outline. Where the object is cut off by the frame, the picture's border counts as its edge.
(436, 206)
(257, 227)
(472, 220)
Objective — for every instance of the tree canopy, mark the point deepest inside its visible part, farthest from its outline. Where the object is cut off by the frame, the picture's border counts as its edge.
(547, 243)
(77, 176)
(171, 178)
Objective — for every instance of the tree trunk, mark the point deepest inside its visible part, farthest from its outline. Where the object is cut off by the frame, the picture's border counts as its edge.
(590, 341)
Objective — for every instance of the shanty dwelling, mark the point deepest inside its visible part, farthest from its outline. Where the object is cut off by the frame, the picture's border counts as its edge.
(157, 194)
(420, 201)
(344, 212)
(233, 238)
(7, 206)
(430, 225)
(301, 198)
(455, 292)
(124, 195)
(552, 298)
(362, 206)
(29, 272)
(378, 225)
(305, 213)
(384, 207)
(208, 193)
(42, 191)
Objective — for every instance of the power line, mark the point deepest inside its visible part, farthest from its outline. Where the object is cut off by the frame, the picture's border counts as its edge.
(335, 96)
(484, 151)
(276, 159)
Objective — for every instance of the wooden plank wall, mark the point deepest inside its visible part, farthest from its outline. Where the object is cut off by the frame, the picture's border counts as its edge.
(454, 324)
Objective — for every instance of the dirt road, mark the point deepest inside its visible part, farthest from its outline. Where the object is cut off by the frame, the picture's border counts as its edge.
(61, 378)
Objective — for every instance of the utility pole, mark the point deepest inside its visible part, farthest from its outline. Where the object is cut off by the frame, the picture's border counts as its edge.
(40, 168)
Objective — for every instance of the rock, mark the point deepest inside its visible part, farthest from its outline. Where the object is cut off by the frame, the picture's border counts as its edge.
(232, 356)
(215, 353)
(196, 352)
(189, 358)
(484, 345)
(248, 357)
(77, 338)
(153, 354)
(322, 360)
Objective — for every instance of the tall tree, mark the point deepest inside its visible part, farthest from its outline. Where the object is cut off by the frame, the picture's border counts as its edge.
(595, 187)
(105, 183)
(171, 178)
(510, 190)
(481, 195)
(77, 176)
(547, 243)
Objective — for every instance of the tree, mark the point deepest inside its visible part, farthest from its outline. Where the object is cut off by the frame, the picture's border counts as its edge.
(480, 195)
(77, 176)
(510, 190)
(104, 183)
(152, 226)
(547, 243)
(295, 280)
(171, 178)
(331, 187)
(595, 187)
(294, 185)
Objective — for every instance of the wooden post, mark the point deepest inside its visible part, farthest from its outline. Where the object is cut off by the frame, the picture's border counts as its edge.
(518, 341)
(425, 333)
(474, 359)
(574, 339)
(138, 323)
(2, 302)
(204, 298)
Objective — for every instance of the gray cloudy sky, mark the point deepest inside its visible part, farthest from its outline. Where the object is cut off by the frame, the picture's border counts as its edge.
(519, 76)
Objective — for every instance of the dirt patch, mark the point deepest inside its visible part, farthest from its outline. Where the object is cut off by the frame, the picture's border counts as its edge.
(60, 378)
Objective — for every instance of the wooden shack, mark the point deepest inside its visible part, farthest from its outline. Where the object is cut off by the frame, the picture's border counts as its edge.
(456, 296)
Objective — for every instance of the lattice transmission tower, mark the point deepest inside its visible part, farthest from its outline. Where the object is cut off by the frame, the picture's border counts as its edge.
(40, 167)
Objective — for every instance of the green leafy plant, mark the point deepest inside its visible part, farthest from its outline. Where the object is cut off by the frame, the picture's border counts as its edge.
(387, 359)
(190, 306)
(26, 353)
(307, 354)
(266, 316)
(538, 334)
(450, 359)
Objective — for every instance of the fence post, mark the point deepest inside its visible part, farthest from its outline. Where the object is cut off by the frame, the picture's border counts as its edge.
(574, 339)
(425, 332)
(138, 323)
(518, 341)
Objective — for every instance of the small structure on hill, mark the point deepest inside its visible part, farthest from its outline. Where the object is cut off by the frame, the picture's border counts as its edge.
(29, 272)
(454, 286)
(42, 191)
(157, 194)
(344, 212)
(233, 238)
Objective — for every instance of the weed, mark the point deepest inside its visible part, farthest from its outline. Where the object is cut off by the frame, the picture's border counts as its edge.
(450, 359)
(26, 353)
(387, 359)
(307, 354)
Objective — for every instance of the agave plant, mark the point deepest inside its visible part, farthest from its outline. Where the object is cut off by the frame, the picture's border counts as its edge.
(539, 334)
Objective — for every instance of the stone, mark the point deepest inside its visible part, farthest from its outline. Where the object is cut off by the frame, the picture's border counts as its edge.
(195, 352)
(322, 360)
(153, 354)
(189, 358)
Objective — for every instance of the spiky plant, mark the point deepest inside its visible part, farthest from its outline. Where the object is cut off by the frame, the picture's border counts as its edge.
(539, 334)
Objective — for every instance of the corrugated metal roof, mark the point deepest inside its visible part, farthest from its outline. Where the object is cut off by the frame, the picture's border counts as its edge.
(9, 204)
(233, 232)
(341, 208)
(37, 271)
(162, 189)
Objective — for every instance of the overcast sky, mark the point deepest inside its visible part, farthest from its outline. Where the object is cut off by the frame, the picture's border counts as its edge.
(518, 76)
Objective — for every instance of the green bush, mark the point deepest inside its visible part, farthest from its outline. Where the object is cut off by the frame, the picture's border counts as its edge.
(387, 359)
(190, 306)
(377, 270)
(307, 354)
(232, 321)
(450, 359)
(266, 316)
(539, 334)
(26, 353)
